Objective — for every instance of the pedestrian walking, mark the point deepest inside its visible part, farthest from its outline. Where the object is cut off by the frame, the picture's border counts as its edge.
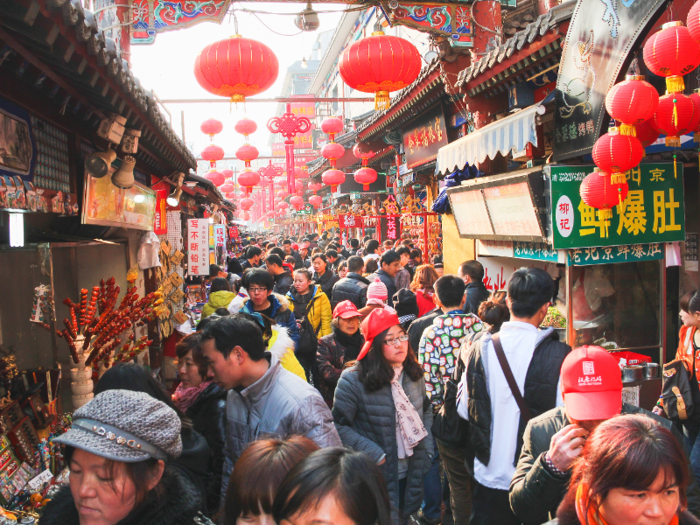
(323, 274)
(422, 285)
(352, 287)
(388, 268)
(220, 296)
(283, 278)
(472, 272)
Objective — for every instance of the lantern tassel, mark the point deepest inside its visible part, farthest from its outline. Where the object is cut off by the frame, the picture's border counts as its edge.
(618, 178)
(382, 100)
(675, 166)
(675, 114)
(628, 130)
(675, 84)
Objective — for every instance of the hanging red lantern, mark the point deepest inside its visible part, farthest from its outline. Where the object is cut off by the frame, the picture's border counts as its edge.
(380, 64)
(597, 191)
(236, 68)
(333, 178)
(246, 127)
(216, 177)
(363, 155)
(300, 173)
(675, 116)
(315, 186)
(297, 202)
(632, 102)
(331, 126)
(315, 200)
(227, 173)
(211, 127)
(282, 194)
(365, 176)
(247, 203)
(693, 22)
(672, 53)
(248, 179)
(212, 153)
(247, 153)
(695, 99)
(226, 187)
(616, 153)
(647, 133)
(283, 205)
(332, 151)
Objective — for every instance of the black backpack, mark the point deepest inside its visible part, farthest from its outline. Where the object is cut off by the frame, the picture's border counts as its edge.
(308, 343)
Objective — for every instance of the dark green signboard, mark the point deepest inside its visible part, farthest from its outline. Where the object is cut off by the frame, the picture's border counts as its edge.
(653, 211)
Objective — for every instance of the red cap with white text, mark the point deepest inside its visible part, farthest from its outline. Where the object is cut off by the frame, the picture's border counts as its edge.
(591, 384)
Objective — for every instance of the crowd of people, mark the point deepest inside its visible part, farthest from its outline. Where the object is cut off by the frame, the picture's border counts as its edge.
(357, 384)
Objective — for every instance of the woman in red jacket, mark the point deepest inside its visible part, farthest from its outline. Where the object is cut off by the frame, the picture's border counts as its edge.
(422, 286)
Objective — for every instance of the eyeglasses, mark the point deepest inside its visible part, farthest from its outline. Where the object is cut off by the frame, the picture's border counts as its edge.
(397, 341)
(257, 290)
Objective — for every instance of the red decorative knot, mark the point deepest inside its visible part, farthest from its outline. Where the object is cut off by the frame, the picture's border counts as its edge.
(289, 125)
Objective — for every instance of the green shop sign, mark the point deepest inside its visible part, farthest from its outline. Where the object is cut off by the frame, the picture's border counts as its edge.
(653, 211)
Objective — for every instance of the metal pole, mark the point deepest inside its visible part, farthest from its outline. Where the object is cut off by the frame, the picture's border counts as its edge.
(182, 122)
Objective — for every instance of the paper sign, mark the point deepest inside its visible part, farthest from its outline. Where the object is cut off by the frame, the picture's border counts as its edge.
(176, 280)
(176, 259)
(37, 482)
(197, 246)
(165, 246)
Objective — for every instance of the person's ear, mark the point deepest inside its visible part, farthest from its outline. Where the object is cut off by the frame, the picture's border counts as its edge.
(437, 301)
(157, 474)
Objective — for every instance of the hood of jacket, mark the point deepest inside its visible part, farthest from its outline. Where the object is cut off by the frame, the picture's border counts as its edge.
(279, 304)
(221, 299)
(280, 342)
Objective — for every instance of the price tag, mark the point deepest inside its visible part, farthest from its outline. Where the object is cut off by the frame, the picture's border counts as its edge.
(177, 257)
(37, 482)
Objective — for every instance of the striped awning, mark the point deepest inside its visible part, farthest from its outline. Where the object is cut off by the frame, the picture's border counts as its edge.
(510, 133)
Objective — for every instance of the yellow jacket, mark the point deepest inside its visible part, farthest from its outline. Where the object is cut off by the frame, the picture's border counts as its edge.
(282, 347)
(320, 312)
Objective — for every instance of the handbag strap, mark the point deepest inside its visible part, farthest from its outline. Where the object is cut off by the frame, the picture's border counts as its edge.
(498, 347)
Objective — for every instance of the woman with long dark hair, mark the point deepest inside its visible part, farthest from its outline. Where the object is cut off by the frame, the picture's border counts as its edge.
(631, 471)
(422, 285)
(381, 408)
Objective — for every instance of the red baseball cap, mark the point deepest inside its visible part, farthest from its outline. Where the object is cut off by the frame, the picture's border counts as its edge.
(374, 324)
(591, 383)
(346, 310)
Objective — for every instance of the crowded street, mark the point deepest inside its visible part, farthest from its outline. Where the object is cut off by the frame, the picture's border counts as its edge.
(349, 262)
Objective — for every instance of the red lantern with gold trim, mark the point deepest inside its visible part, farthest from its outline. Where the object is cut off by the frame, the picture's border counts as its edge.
(297, 202)
(248, 179)
(616, 153)
(315, 200)
(632, 102)
(237, 68)
(247, 203)
(212, 153)
(647, 133)
(694, 22)
(315, 186)
(333, 178)
(675, 116)
(365, 176)
(672, 53)
(216, 177)
(597, 191)
(380, 64)
(211, 127)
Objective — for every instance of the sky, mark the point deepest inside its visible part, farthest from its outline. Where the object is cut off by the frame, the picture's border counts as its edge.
(167, 68)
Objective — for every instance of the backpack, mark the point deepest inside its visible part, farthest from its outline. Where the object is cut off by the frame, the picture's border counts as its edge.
(680, 393)
(308, 342)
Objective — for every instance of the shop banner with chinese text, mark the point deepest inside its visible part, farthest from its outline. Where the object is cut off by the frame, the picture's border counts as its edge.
(198, 246)
(653, 211)
(422, 140)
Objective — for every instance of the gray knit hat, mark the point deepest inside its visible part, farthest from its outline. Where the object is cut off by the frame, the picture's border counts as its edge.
(125, 426)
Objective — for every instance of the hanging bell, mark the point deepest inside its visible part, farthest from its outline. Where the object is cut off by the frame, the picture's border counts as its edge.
(124, 177)
(97, 164)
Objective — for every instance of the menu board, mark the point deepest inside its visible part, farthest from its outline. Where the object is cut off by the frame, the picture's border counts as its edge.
(470, 213)
(107, 205)
(511, 210)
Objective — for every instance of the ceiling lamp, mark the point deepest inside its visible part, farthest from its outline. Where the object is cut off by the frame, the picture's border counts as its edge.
(380, 64)
(307, 20)
(237, 68)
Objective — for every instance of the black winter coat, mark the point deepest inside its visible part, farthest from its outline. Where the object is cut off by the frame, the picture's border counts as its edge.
(283, 282)
(536, 493)
(476, 294)
(208, 415)
(179, 505)
(366, 422)
(352, 287)
(326, 282)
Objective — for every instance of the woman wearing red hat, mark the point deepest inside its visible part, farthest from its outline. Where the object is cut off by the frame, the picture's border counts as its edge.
(380, 408)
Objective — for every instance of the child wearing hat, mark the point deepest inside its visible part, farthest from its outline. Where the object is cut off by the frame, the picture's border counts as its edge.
(377, 296)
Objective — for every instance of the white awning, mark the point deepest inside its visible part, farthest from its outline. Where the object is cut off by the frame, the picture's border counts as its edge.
(509, 133)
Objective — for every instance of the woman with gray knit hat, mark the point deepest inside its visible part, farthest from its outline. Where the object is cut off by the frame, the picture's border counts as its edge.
(118, 451)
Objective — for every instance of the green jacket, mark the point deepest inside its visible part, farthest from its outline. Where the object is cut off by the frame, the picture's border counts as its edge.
(535, 493)
(220, 299)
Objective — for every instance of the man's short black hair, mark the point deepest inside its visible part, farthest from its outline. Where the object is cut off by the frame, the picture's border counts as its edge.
(355, 264)
(403, 250)
(415, 252)
(214, 270)
(273, 259)
(528, 290)
(332, 246)
(450, 290)
(389, 257)
(331, 253)
(259, 277)
(219, 284)
(236, 330)
(474, 269)
(277, 251)
(287, 241)
(372, 246)
(354, 243)
(264, 244)
(252, 252)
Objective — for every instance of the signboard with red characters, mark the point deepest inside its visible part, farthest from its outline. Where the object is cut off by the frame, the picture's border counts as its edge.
(219, 235)
(350, 221)
(160, 223)
(197, 247)
(422, 140)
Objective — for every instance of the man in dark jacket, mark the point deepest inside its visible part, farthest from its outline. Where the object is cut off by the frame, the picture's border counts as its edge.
(299, 262)
(283, 279)
(352, 287)
(592, 391)
(472, 273)
(535, 357)
(389, 267)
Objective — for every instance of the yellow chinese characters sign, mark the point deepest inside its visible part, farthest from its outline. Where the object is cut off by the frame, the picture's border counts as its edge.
(422, 140)
(653, 211)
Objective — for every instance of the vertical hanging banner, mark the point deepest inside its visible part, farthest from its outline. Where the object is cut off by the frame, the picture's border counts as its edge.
(198, 247)
(160, 222)
(219, 235)
(595, 55)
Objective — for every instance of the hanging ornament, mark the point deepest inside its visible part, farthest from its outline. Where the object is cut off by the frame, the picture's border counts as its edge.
(297, 202)
(283, 205)
(616, 154)
(315, 186)
(247, 203)
(597, 191)
(672, 53)
(380, 64)
(282, 194)
(333, 178)
(315, 200)
(246, 127)
(631, 102)
(300, 173)
(237, 68)
(646, 133)
(212, 153)
(248, 179)
(227, 173)
(211, 127)
(693, 22)
(675, 116)
(216, 177)
(247, 154)
(332, 151)
(226, 187)
(365, 176)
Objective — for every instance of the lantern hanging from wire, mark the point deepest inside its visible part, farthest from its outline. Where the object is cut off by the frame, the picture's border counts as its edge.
(597, 191)
(216, 177)
(245, 127)
(616, 154)
(211, 127)
(364, 175)
(212, 153)
(646, 133)
(247, 154)
(315, 200)
(332, 151)
(672, 53)
(675, 116)
(380, 64)
(315, 186)
(297, 202)
(236, 68)
(631, 102)
(247, 203)
(248, 179)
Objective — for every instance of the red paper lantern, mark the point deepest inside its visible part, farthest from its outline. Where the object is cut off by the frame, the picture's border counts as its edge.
(675, 116)
(363, 155)
(333, 178)
(597, 191)
(616, 153)
(672, 53)
(380, 64)
(248, 179)
(247, 204)
(283, 205)
(300, 173)
(245, 126)
(247, 153)
(226, 187)
(695, 99)
(227, 173)
(216, 177)
(236, 67)
(212, 153)
(332, 126)
(282, 194)
(632, 102)
(315, 186)
(315, 200)
(333, 151)
(694, 22)
(211, 127)
(647, 133)
(297, 202)
(365, 176)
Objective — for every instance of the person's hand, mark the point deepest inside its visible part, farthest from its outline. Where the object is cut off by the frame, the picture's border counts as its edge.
(566, 446)
(659, 411)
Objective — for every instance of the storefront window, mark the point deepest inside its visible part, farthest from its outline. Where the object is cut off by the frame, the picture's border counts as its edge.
(617, 306)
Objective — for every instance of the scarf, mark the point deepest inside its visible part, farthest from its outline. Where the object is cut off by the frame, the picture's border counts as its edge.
(184, 398)
(352, 343)
(409, 425)
(593, 517)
